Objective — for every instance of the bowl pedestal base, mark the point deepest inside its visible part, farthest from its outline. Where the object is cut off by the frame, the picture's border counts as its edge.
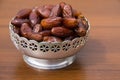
(48, 64)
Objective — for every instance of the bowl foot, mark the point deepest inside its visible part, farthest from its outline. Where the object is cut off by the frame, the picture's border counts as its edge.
(48, 64)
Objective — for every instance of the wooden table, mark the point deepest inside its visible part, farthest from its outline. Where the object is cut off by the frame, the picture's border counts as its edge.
(98, 60)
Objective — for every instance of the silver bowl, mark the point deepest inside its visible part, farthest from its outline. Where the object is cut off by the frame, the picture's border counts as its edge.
(48, 55)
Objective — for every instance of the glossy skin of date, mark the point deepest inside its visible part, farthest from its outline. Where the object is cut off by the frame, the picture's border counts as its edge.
(70, 23)
(24, 13)
(16, 30)
(37, 28)
(45, 33)
(81, 30)
(61, 31)
(18, 22)
(85, 23)
(62, 4)
(36, 36)
(51, 22)
(44, 11)
(67, 11)
(34, 17)
(56, 11)
(71, 37)
(25, 30)
(51, 39)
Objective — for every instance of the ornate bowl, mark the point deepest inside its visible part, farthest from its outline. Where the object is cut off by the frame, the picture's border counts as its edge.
(48, 55)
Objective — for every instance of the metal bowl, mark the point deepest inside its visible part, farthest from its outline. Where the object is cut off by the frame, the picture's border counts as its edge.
(47, 53)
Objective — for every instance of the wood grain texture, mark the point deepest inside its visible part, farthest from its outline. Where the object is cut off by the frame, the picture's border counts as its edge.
(98, 60)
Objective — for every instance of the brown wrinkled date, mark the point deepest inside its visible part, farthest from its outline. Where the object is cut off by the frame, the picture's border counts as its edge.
(34, 17)
(67, 11)
(61, 31)
(70, 23)
(24, 13)
(36, 36)
(16, 30)
(85, 23)
(25, 30)
(81, 31)
(62, 4)
(51, 39)
(50, 23)
(37, 28)
(44, 11)
(71, 37)
(18, 22)
(45, 33)
(56, 11)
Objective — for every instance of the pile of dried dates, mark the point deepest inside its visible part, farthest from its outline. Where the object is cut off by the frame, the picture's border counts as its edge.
(50, 23)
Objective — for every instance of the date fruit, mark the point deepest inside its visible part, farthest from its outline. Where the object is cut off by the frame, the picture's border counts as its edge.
(45, 33)
(44, 12)
(81, 30)
(70, 38)
(61, 31)
(51, 22)
(18, 22)
(37, 28)
(34, 17)
(16, 29)
(24, 13)
(70, 23)
(25, 30)
(85, 23)
(62, 4)
(67, 11)
(56, 11)
(36, 36)
(51, 39)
